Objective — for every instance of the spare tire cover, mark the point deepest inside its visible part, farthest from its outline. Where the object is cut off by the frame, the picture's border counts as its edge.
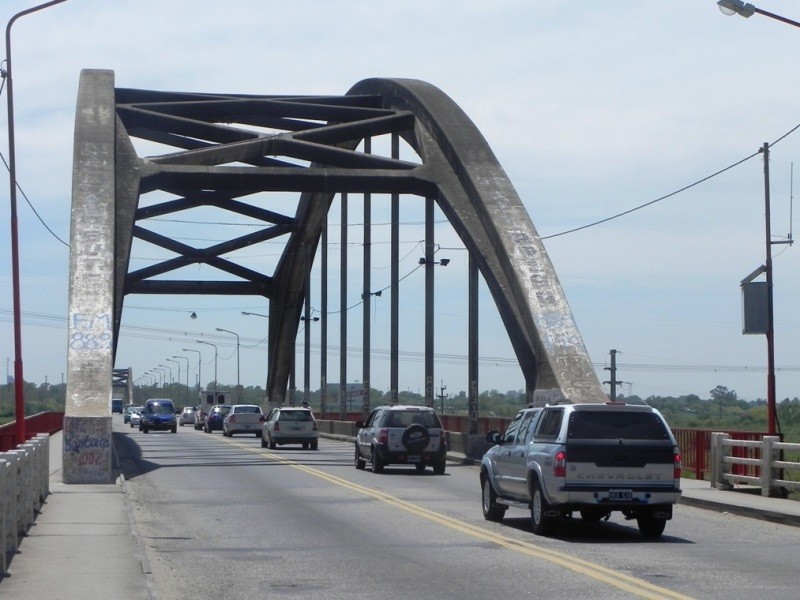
(416, 437)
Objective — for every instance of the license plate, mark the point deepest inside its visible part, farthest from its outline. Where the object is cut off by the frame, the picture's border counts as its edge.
(620, 495)
(414, 459)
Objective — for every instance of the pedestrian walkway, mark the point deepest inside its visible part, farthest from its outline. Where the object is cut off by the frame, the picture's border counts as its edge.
(83, 544)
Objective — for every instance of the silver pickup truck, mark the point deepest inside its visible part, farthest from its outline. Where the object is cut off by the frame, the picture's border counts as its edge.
(590, 458)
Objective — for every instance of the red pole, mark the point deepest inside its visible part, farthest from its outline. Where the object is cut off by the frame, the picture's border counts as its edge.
(19, 382)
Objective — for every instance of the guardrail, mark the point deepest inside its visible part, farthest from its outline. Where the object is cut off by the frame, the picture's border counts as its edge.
(763, 463)
(43, 422)
(24, 486)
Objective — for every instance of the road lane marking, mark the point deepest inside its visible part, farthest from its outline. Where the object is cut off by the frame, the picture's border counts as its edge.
(618, 579)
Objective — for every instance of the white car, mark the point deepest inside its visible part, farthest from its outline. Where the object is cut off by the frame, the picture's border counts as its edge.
(136, 416)
(187, 416)
(243, 418)
(290, 425)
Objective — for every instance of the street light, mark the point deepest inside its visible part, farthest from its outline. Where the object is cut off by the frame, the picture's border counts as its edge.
(216, 353)
(186, 358)
(199, 361)
(730, 7)
(238, 387)
(245, 313)
(179, 372)
(747, 10)
(160, 371)
(19, 382)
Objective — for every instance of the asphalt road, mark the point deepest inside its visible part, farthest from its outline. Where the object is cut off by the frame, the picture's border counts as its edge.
(221, 517)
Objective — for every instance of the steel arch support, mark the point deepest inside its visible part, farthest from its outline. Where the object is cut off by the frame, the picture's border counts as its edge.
(488, 215)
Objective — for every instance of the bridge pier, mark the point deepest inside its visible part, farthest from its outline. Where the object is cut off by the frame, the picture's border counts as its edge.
(87, 447)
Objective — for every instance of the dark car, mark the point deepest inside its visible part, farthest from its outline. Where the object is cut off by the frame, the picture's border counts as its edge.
(158, 415)
(216, 417)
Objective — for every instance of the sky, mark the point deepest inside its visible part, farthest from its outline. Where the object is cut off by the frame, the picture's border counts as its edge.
(592, 108)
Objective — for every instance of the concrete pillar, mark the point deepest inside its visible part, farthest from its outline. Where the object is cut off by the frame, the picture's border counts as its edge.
(87, 420)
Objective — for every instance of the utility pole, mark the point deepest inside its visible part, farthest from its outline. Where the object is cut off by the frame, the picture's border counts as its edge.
(613, 369)
(441, 398)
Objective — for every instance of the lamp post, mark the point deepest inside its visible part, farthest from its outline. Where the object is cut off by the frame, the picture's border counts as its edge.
(199, 362)
(731, 7)
(216, 354)
(186, 358)
(178, 378)
(168, 368)
(19, 382)
(161, 373)
(745, 9)
(238, 387)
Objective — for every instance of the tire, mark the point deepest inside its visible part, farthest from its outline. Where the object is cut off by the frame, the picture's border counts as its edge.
(439, 467)
(145, 430)
(360, 463)
(592, 514)
(175, 429)
(492, 511)
(305, 445)
(263, 443)
(416, 437)
(650, 527)
(272, 444)
(540, 522)
(377, 463)
(420, 466)
(315, 445)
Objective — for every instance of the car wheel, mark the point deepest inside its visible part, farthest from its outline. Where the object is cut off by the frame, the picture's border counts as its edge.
(263, 442)
(541, 522)
(359, 462)
(145, 430)
(420, 466)
(650, 527)
(492, 511)
(305, 445)
(272, 444)
(416, 437)
(439, 467)
(315, 445)
(377, 463)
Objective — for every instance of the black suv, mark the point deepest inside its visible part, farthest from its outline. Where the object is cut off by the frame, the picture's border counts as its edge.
(401, 435)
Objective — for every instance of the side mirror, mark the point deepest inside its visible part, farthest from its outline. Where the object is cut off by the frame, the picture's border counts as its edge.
(359, 424)
(493, 437)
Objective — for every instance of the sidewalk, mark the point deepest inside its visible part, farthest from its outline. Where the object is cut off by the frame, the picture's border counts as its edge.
(83, 543)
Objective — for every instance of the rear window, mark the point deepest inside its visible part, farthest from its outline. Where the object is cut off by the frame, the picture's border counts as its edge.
(609, 425)
(247, 409)
(295, 415)
(397, 418)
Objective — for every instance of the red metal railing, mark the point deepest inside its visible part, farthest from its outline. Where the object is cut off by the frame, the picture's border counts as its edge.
(44, 422)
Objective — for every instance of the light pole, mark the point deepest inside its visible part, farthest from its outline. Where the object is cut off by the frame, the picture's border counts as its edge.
(186, 358)
(19, 382)
(216, 354)
(731, 7)
(179, 372)
(161, 373)
(168, 368)
(745, 9)
(238, 387)
(199, 362)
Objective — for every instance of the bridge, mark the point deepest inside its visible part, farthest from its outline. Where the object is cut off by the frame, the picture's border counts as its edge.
(400, 140)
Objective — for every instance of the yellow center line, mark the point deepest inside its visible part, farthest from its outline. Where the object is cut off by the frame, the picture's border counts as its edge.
(628, 583)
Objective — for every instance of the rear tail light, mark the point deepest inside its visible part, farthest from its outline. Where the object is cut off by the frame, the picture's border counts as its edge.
(677, 462)
(314, 426)
(383, 436)
(261, 419)
(277, 426)
(560, 464)
(232, 419)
